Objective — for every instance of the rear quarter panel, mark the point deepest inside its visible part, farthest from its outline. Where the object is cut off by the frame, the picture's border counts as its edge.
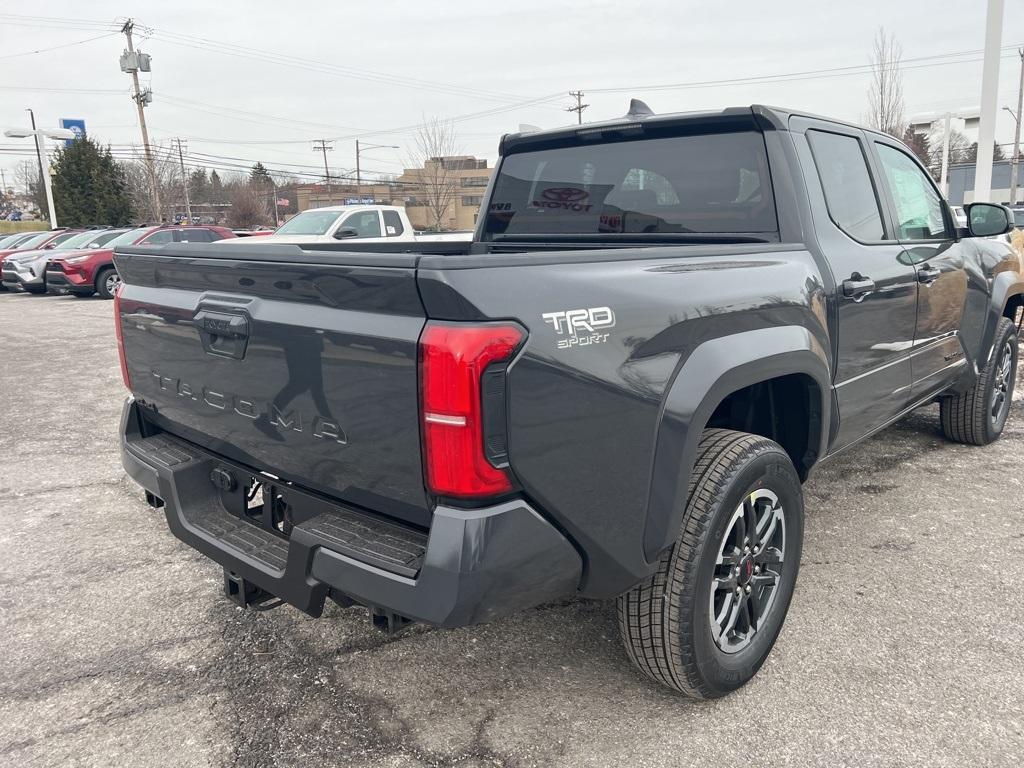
(585, 408)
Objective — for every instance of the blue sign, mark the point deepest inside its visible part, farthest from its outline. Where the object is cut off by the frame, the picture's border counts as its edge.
(78, 126)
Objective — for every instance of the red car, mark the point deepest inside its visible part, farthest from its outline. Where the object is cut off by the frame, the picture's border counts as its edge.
(93, 272)
(46, 239)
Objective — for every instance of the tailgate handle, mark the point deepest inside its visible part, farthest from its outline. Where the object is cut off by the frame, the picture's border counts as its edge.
(223, 334)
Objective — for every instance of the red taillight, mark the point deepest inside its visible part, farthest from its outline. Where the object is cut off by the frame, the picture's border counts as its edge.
(120, 338)
(453, 358)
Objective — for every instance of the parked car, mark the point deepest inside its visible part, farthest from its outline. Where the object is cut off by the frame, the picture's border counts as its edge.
(355, 224)
(252, 232)
(26, 270)
(85, 274)
(663, 325)
(7, 241)
(47, 239)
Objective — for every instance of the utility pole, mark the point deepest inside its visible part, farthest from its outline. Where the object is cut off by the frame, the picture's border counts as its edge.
(132, 63)
(184, 181)
(273, 189)
(3, 182)
(580, 106)
(323, 145)
(359, 191)
(1015, 159)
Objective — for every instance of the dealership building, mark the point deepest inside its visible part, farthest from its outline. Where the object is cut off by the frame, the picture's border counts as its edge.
(463, 177)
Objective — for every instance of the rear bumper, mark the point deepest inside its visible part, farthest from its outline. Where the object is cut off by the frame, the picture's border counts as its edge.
(474, 566)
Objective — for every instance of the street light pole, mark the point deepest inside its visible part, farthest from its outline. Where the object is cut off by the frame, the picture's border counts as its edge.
(40, 134)
(39, 152)
(1015, 158)
(359, 150)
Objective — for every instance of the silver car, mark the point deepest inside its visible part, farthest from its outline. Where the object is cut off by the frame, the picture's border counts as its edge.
(27, 270)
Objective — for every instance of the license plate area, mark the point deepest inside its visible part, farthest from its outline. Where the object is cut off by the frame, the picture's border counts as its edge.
(264, 501)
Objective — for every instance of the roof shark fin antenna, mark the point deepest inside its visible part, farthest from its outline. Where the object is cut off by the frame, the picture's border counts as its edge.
(638, 109)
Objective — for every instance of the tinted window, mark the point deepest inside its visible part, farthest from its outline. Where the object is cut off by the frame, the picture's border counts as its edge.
(702, 183)
(193, 236)
(918, 205)
(365, 223)
(159, 237)
(845, 180)
(393, 224)
(127, 238)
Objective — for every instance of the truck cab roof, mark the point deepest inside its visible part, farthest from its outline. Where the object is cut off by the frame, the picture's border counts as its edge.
(642, 119)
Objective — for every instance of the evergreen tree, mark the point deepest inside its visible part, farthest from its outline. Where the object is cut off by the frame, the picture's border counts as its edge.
(971, 156)
(259, 177)
(920, 145)
(199, 186)
(89, 186)
(216, 188)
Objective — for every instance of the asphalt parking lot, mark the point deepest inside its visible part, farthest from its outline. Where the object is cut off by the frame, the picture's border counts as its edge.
(902, 647)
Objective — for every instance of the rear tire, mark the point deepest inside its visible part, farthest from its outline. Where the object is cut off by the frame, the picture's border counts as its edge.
(106, 282)
(977, 416)
(687, 626)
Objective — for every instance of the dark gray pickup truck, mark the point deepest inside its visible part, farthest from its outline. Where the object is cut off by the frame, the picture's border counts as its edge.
(663, 324)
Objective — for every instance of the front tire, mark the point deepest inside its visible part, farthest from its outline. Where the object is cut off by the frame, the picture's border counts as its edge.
(107, 282)
(977, 416)
(706, 620)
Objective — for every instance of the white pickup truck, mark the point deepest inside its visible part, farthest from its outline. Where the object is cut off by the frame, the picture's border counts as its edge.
(354, 223)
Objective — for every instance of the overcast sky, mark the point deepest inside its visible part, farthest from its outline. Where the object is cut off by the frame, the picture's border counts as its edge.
(339, 70)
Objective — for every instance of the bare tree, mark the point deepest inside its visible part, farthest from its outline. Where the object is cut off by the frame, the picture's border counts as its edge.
(885, 98)
(959, 149)
(248, 207)
(433, 164)
(27, 181)
(140, 185)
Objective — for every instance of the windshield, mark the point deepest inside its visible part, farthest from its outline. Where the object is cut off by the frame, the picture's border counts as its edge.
(309, 223)
(128, 238)
(33, 241)
(83, 239)
(710, 183)
(7, 240)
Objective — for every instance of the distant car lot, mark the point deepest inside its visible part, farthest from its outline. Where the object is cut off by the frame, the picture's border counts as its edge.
(901, 648)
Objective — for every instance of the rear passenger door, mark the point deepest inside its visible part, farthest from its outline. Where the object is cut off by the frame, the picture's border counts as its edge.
(927, 235)
(876, 301)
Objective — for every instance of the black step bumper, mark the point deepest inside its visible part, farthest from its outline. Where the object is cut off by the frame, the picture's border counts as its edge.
(473, 566)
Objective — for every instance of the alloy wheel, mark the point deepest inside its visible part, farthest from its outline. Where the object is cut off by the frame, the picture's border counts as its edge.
(1002, 389)
(747, 570)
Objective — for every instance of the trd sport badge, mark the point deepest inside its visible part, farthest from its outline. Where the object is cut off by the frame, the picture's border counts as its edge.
(581, 327)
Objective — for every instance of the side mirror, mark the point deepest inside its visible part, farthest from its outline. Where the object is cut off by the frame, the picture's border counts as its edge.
(988, 219)
(344, 232)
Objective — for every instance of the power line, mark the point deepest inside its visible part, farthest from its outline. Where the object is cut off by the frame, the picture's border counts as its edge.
(921, 62)
(57, 47)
